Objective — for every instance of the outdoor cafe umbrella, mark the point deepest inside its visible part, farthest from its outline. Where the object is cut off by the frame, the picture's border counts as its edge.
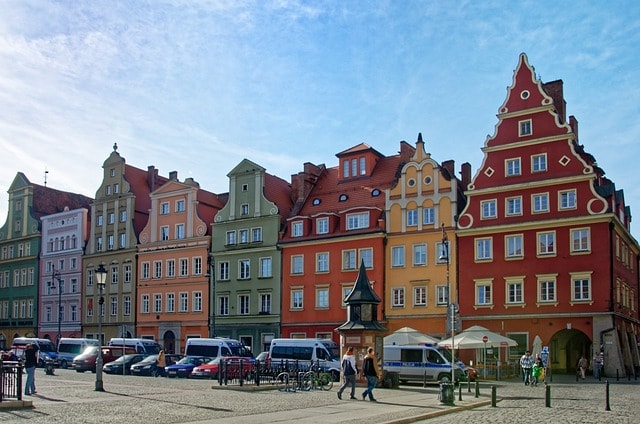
(477, 337)
(408, 336)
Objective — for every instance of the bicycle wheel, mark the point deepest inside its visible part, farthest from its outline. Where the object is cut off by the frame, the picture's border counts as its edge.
(307, 380)
(325, 381)
(282, 382)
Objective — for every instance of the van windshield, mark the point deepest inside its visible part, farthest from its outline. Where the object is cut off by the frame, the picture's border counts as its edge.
(46, 347)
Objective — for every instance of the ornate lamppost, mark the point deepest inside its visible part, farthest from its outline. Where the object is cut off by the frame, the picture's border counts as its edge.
(101, 277)
(55, 276)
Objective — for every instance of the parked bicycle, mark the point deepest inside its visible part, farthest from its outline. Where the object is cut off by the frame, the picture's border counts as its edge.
(316, 379)
(285, 383)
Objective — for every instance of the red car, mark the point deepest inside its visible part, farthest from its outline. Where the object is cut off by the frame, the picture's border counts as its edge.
(233, 366)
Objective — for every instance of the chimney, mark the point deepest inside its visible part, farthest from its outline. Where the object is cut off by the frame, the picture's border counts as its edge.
(173, 175)
(555, 90)
(449, 165)
(152, 174)
(465, 175)
(573, 123)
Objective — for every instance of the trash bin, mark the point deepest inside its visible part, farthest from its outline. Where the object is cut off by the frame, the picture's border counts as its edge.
(446, 393)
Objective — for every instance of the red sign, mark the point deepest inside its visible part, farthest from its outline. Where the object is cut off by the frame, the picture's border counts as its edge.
(485, 339)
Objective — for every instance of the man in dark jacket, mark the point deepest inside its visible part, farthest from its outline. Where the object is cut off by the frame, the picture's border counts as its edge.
(30, 362)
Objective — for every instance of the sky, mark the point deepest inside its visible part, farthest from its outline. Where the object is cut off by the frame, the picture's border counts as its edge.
(197, 86)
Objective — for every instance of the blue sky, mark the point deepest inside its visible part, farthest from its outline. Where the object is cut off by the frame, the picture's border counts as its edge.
(196, 86)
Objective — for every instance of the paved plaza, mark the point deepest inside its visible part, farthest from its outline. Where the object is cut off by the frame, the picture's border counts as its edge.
(69, 397)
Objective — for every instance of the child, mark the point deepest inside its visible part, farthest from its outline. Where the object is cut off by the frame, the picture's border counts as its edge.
(536, 371)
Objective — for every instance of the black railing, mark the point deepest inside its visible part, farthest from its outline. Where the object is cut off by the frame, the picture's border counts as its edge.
(10, 380)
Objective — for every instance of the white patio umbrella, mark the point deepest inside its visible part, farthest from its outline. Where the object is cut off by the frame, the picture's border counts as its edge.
(408, 336)
(477, 337)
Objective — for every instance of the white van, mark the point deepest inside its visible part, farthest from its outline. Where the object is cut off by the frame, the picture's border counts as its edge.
(215, 347)
(421, 363)
(143, 346)
(46, 353)
(69, 348)
(304, 352)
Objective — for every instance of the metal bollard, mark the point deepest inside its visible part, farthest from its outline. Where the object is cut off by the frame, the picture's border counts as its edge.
(477, 388)
(459, 391)
(617, 374)
(468, 385)
(607, 407)
(547, 396)
(493, 396)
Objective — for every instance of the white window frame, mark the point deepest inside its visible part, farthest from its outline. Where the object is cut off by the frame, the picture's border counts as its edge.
(567, 200)
(514, 290)
(296, 229)
(514, 246)
(349, 260)
(540, 203)
(397, 297)
(322, 225)
(397, 256)
(322, 297)
(322, 262)
(539, 163)
(513, 206)
(543, 246)
(580, 241)
(297, 264)
(297, 299)
(488, 209)
(419, 255)
(412, 218)
(525, 128)
(547, 288)
(582, 279)
(512, 167)
(357, 221)
(481, 288)
(420, 295)
(483, 249)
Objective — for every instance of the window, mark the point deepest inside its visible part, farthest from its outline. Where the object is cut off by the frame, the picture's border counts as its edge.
(123, 216)
(297, 299)
(580, 240)
(366, 256)
(184, 302)
(348, 259)
(265, 268)
(428, 216)
(322, 298)
(512, 167)
(256, 235)
(322, 262)
(100, 221)
(581, 288)
(483, 294)
(539, 163)
(525, 128)
(296, 229)
(547, 288)
(420, 296)
(164, 233)
(179, 205)
(171, 268)
(546, 243)
(110, 242)
(265, 303)
(157, 303)
(231, 238)
(157, 269)
(164, 208)
(223, 305)
(514, 206)
(197, 265)
(171, 302)
(540, 202)
(397, 256)
(223, 271)
(127, 273)
(107, 190)
(442, 295)
(513, 246)
(111, 218)
(567, 199)
(123, 240)
(114, 274)
(322, 225)
(244, 209)
(419, 254)
(243, 235)
(363, 166)
(488, 209)
(116, 188)
(297, 264)
(243, 304)
(412, 217)
(184, 267)
(515, 292)
(484, 249)
(197, 301)
(397, 297)
(345, 169)
(244, 266)
(179, 231)
(113, 306)
(357, 221)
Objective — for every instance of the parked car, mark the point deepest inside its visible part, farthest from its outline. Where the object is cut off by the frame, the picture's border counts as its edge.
(233, 363)
(149, 365)
(126, 361)
(86, 361)
(185, 366)
(262, 357)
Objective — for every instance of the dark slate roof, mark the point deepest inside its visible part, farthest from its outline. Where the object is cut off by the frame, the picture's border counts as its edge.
(47, 201)
(362, 292)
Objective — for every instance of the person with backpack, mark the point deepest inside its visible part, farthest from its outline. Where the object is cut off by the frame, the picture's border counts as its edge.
(371, 372)
(349, 371)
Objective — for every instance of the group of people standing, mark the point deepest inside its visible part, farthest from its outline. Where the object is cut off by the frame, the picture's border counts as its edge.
(369, 370)
(533, 369)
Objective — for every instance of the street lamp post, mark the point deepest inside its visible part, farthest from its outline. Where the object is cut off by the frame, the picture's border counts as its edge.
(452, 306)
(55, 275)
(101, 276)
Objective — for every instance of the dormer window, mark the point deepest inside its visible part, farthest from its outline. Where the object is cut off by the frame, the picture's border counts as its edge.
(354, 167)
(363, 166)
(316, 201)
(296, 229)
(343, 198)
(375, 192)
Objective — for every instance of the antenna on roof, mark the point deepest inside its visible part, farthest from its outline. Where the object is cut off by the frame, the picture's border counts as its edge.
(45, 176)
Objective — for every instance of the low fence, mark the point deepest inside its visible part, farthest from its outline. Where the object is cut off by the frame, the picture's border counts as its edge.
(241, 372)
(10, 380)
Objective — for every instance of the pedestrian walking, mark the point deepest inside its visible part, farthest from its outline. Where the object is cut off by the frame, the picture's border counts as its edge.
(162, 362)
(371, 373)
(30, 363)
(526, 362)
(597, 364)
(349, 371)
(583, 364)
